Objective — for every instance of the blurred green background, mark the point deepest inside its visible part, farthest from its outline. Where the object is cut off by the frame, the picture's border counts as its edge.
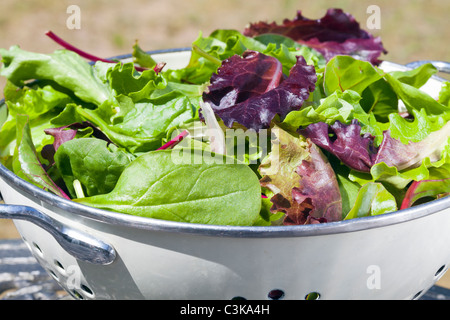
(410, 29)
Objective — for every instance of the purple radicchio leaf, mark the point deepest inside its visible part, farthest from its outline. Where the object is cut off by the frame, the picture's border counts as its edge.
(336, 33)
(345, 142)
(251, 89)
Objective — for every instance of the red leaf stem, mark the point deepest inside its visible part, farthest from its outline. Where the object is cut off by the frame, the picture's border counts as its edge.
(89, 56)
(174, 141)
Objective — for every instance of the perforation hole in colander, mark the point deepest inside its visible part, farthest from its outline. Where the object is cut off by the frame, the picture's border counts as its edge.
(58, 272)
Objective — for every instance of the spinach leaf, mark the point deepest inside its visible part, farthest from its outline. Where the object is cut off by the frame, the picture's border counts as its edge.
(345, 72)
(155, 186)
(93, 162)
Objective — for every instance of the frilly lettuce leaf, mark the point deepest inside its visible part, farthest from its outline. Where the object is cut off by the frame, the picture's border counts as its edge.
(401, 178)
(435, 186)
(345, 142)
(444, 94)
(302, 181)
(40, 104)
(336, 33)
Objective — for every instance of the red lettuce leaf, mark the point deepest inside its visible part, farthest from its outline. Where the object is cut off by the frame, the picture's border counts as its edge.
(251, 89)
(302, 181)
(345, 142)
(359, 152)
(336, 33)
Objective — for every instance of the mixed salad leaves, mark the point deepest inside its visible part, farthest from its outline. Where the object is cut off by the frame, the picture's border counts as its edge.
(348, 139)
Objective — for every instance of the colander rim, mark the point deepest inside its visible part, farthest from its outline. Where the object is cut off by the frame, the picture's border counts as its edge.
(121, 219)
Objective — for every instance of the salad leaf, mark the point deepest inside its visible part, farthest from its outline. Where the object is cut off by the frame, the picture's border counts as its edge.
(140, 127)
(394, 153)
(345, 72)
(336, 33)
(39, 103)
(125, 80)
(156, 187)
(345, 142)
(141, 57)
(96, 164)
(26, 163)
(437, 185)
(66, 68)
(380, 100)
(338, 106)
(444, 94)
(249, 90)
(208, 53)
(400, 179)
(302, 181)
(415, 98)
(373, 199)
(416, 77)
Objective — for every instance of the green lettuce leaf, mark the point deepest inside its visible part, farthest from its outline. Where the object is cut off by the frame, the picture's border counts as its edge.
(444, 94)
(373, 199)
(141, 57)
(40, 104)
(414, 98)
(338, 106)
(347, 73)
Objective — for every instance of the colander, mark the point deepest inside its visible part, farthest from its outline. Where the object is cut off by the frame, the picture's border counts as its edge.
(98, 254)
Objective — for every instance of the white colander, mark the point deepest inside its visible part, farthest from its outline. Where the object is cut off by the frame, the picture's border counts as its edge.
(97, 254)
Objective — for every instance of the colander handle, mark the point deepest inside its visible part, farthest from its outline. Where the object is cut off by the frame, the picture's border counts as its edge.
(441, 66)
(79, 244)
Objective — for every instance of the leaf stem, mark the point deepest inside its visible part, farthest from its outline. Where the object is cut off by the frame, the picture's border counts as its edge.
(84, 54)
(174, 141)
(207, 56)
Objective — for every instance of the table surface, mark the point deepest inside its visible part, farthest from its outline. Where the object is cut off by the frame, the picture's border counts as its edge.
(22, 278)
